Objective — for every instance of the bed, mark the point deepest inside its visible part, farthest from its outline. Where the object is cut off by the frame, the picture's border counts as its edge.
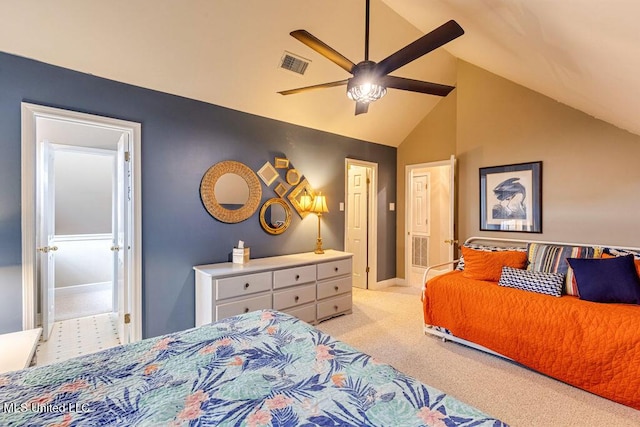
(263, 368)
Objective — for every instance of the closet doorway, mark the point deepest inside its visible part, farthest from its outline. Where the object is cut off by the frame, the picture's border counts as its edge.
(361, 220)
(81, 218)
(429, 222)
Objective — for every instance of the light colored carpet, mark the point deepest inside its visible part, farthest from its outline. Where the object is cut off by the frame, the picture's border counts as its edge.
(83, 304)
(387, 324)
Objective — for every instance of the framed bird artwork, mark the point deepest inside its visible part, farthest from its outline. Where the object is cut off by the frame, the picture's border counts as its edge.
(511, 198)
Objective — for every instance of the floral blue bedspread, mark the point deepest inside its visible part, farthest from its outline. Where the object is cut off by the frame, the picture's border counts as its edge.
(264, 368)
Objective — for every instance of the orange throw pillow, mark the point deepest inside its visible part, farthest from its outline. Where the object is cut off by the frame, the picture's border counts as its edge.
(484, 265)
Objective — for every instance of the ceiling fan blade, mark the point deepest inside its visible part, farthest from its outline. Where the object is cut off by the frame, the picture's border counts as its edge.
(362, 107)
(323, 49)
(307, 88)
(416, 85)
(425, 44)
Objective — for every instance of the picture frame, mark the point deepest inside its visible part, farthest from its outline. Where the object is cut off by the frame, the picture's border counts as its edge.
(281, 189)
(268, 174)
(281, 163)
(511, 198)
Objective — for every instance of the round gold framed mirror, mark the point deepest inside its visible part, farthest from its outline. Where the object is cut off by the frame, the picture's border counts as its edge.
(293, 177)
(275, 216)
(230, 191)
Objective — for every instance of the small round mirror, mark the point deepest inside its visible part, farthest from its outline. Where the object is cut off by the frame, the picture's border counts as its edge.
(232, 191)
(293, 177)
(275, 216)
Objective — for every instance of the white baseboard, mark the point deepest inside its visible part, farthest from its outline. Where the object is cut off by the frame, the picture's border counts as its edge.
(387, 283)
(78, 289)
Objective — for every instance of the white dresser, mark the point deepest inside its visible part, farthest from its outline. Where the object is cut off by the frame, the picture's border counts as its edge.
(309, 286)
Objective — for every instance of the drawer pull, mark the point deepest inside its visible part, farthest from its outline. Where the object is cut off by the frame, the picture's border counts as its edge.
(297, 277)
(246, 309)
(297, 298)
(335, 307)
(336, 288)
(246, 285)
(336, 269)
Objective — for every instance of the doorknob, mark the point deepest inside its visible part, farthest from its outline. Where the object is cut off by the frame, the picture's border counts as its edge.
(115, 248)
(45, 249)
(451, 242)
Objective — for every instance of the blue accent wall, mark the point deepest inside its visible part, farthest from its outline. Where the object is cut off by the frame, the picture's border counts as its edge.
(181, 139)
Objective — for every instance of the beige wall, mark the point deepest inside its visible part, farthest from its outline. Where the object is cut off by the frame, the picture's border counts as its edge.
(590, 169)
(434, 139)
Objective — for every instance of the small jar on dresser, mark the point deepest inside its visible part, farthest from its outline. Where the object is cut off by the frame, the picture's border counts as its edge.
(313, 287)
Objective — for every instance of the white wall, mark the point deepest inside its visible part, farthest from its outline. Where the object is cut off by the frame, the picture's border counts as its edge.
(83, 209)
(83, 192)
(85, 259)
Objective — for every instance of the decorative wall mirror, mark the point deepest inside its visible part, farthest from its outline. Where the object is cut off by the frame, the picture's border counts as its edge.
(275, 216)
(230, 191)
(296, 197)
(293, 177)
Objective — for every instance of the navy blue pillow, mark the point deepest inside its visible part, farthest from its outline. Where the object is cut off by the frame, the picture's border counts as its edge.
(607, 279)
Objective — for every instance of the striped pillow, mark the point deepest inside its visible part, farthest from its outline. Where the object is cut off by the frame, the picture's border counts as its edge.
(553, 259)
(532, 281)
(622, 252)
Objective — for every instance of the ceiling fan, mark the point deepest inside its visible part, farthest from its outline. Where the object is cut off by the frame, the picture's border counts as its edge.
(370, 79)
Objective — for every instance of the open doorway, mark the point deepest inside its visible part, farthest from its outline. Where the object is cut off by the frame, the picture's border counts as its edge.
(430, 201)
(81, 221)
(84, 192)
(361, 220)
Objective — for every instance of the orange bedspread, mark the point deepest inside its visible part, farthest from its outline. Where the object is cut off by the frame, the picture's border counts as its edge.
(590, 345)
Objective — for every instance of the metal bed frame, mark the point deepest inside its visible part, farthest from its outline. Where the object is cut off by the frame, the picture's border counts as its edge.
(429, 329)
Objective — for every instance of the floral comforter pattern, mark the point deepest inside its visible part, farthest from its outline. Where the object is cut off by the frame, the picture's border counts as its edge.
(264, 368)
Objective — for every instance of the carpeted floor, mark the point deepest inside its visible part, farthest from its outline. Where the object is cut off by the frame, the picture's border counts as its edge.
(83, 304)
(387, 324)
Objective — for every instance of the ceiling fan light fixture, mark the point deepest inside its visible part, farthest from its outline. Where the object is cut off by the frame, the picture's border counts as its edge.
(365, 92)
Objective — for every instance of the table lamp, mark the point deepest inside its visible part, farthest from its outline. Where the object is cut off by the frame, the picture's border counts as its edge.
(318, 207)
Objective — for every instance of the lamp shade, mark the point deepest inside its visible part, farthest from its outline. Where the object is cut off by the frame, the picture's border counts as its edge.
(319, 204)
(305, 202)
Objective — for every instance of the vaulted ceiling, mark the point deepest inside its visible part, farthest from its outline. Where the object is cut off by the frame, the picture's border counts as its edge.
(584, 53)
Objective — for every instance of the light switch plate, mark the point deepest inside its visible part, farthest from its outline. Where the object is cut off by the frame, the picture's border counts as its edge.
(341, 206)
(392, 206)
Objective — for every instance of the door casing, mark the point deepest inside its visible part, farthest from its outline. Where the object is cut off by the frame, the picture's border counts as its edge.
(30, 114)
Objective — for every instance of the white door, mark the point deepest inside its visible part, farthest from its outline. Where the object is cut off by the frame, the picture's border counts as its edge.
(420, 225)
(357, 215)
(121, 245)
(430, 221)
(46, 245)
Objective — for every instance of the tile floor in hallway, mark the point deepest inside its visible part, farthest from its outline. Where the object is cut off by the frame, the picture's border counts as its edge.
(75, 337)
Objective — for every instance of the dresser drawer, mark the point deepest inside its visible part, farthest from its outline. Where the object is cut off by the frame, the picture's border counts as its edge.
(334, 268)
(292, 297)
(334, 287)
(333, 306)
(242, 285)
(294, 276)
(306, 313)
(246, 305)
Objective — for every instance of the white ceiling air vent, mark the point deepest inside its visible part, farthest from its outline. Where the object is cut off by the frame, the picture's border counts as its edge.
(294, 63)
